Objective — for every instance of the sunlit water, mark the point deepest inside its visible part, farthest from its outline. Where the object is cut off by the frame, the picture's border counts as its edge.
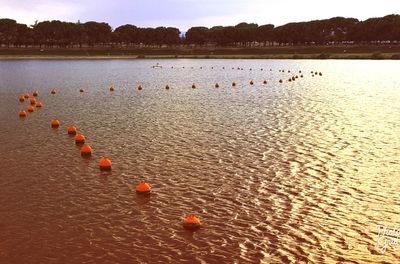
(278, 173)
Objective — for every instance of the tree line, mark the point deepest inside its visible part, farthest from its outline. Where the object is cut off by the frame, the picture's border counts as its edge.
(335, 30)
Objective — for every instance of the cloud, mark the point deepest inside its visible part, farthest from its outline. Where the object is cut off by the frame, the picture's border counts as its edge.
(30, 11)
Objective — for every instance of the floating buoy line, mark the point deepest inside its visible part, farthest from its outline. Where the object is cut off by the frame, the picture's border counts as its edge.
(191, 221)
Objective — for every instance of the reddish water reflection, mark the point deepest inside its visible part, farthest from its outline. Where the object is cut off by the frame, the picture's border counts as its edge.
(299, 171)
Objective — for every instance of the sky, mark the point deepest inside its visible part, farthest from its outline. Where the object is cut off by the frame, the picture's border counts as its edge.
(184, 14)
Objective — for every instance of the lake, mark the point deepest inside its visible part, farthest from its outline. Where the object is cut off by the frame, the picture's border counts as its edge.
(301, 171)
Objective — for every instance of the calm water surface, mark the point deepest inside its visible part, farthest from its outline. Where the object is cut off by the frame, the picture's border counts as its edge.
(299, 172)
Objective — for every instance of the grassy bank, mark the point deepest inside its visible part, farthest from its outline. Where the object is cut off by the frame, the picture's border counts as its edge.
(297, 52)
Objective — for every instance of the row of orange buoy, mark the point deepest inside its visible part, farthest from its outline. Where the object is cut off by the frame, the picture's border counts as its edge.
(194, 86)
(293, 78)
(190, 222)
(250, 69)
(223, 68)
(85, 150)
(316, 73)
(216, 85)
(105, 163)
(32, 100)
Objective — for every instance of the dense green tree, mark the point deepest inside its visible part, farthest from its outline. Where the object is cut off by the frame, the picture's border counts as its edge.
(377, 29)
(314, 32)
(265, 33)
(96, 33)
(334, 30)
(127, 34)
(8, 31)
(24, 35)
(197, 35)
(172, 36)
(246, 33)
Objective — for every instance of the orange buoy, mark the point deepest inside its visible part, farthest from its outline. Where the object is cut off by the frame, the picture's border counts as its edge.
(112, 88)
(290, 79)
(320, 74)
(21, 98)
(71, 130)
(22, 113)
(216, 85)
(35, 93)
(194, 86)
(86, 150)
(105, 164)
(53, 91)
(280, 81)
(140, 88)
(265, 82)
(79, 139)
(191, 222)
(81, 90)
(26, 95)
(293, 78)
(143, 188)
(167, 87)
(301, 76)
(32, 100)
(55, 123)
(251, 82)
(233, 84)
(31, 108)
(39, 104)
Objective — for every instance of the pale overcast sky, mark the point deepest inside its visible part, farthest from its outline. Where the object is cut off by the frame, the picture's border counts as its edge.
(184, 14)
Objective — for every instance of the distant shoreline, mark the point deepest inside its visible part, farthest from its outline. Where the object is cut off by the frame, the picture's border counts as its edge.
(288, 57)
(284, 52)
